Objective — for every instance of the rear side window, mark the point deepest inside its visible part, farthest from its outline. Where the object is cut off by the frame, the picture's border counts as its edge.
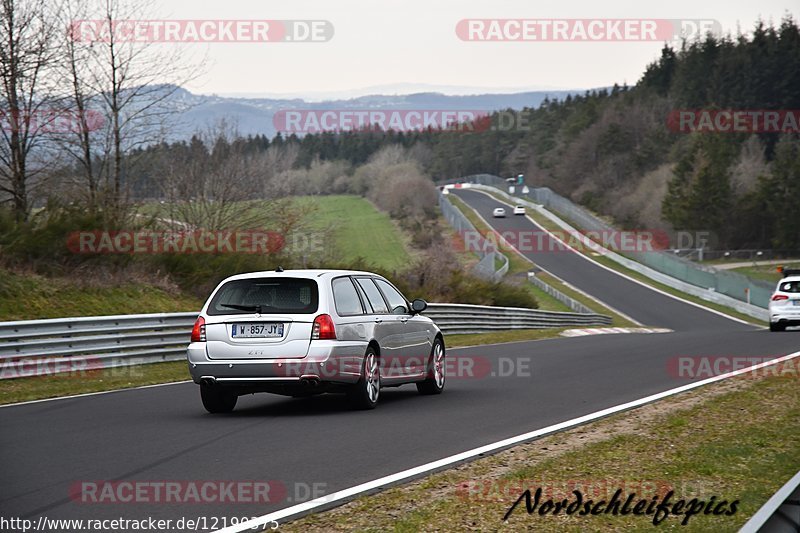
(789, 286)
(373, 295)
(267, 296)
(396, 300)
(346, 298)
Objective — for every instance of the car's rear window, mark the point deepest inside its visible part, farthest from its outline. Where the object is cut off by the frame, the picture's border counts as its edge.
(267, 296)
(789, 286)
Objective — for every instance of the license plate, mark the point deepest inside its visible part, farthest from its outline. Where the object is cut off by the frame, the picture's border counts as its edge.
(795, 302)
(260, 330)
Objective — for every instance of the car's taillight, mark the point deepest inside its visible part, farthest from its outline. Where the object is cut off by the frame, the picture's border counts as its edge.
(777, 297)
(199, 330)
(323, 328)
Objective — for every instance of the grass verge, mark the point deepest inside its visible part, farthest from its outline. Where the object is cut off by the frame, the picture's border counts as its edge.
(516, 263)
(551, 226)
(497, 337)
(519, 264)
(545, 301)
(617, 320)
(644, 279)
(736, 440)
(67, 384)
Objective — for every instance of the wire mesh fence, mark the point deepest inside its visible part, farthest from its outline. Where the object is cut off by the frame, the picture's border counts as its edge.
(733, 284)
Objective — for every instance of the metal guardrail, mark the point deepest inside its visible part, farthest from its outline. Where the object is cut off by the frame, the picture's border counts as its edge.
(487, 251)
(58, 345)
(457, 219)
(61, 345)
(710, 295)
(780, 514)
(464, 318)
(731, 284)
(572, 303)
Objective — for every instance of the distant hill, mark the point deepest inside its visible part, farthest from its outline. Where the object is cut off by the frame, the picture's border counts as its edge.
(254, 115)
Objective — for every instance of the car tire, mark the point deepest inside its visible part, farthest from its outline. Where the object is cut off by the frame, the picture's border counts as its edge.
(435, 379)
(365, 393)
(217, 400)
(776, 326)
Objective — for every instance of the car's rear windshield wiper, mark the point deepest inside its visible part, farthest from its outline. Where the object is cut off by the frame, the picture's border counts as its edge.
(257, 308)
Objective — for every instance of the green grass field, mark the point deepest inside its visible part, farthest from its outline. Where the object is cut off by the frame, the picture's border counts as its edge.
(357, 228)
(360, 230)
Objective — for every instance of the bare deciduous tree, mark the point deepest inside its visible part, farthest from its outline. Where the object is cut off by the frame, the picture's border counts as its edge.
(83, 145)
(27, 53)
(208, 189)
(130, 81)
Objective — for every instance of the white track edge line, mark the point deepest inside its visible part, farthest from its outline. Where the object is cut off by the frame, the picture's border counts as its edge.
(348, 493)
(96, 393)
(532, 262)
(642, 283)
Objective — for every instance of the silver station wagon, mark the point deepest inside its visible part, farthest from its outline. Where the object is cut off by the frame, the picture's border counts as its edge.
(305, 332)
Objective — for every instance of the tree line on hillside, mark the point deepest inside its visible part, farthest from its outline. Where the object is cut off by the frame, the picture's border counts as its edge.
(613, 150)
(609, 149)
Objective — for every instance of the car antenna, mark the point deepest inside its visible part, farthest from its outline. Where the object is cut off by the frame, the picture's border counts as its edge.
(279, 269)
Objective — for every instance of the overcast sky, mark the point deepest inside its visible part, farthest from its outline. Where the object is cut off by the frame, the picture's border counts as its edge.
(400, 45)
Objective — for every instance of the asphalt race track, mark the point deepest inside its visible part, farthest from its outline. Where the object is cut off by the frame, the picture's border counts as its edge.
(633, 299)
(164, 434)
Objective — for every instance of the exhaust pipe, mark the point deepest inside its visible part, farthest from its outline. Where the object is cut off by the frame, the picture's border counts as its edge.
(309, 381)
(208, 380)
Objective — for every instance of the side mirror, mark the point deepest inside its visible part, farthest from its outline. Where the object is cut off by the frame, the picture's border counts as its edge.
(418, 306)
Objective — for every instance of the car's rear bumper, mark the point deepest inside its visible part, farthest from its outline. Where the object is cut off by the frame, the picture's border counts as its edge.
(326, 362)
(789, 315)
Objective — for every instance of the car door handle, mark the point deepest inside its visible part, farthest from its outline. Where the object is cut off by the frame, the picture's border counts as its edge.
(378, 320)
(404, 320)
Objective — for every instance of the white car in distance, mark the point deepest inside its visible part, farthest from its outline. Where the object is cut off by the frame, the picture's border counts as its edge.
(784, 306)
